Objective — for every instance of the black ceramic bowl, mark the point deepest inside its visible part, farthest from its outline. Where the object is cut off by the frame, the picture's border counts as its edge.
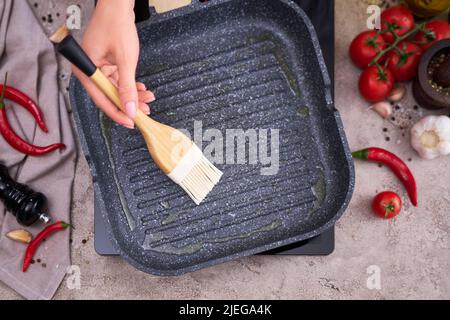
(424, 88)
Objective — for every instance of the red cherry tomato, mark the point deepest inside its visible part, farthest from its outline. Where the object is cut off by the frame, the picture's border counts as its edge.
(365, 48)
(375, 84)
(398, 20)
(434, 31)
(404, 61)
(387, 205)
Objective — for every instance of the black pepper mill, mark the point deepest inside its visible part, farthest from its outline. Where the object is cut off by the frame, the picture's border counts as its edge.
(25, 204)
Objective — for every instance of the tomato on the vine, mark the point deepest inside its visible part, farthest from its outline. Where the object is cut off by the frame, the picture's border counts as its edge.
(365, 47)
(404, 60)
(376, 83)
(387, 205)
(434, 31)
(398, 20)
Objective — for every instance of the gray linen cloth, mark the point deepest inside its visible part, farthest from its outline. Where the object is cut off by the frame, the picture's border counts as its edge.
(30, 60)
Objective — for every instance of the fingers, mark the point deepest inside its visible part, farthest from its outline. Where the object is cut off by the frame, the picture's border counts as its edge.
(146, 96)
(110, 70)
(140, 86)
(144, 108)
(102, 102)
(127, 88)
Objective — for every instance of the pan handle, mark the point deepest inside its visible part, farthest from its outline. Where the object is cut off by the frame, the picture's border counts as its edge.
(162, 6)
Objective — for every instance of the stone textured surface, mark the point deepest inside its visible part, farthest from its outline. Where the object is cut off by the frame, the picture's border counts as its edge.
(411, 251)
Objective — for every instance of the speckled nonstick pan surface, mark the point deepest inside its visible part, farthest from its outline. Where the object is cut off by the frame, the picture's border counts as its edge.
(231, 64)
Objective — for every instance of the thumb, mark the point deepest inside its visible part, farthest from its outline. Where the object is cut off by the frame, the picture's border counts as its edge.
(127, 89)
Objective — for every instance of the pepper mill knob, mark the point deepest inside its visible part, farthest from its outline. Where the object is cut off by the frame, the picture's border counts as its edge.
(45, 218)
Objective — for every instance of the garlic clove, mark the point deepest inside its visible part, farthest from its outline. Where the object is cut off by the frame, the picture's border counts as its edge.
(398, 93)
(384, 109)
(444, 148)
(443, 127)
(20, 236)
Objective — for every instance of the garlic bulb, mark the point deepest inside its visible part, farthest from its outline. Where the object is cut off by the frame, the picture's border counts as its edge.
(430, 137)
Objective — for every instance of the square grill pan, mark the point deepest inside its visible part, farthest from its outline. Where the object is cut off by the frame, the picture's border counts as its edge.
(231, 64)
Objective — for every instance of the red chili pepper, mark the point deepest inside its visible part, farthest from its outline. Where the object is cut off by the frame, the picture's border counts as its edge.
(23, 100)
(14, 140)
(394, 163)
(33, 245)
(18, 143)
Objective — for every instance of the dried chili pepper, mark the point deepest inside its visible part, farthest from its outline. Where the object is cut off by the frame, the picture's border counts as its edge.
(14, 140)
(34, 244)
(394, 163)
(23, 100)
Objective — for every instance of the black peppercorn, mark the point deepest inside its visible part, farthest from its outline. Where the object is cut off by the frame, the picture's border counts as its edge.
(442, 74)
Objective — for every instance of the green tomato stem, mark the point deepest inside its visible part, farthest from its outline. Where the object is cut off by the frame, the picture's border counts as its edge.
(398, 39)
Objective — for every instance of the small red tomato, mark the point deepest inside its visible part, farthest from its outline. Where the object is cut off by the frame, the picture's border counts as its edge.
(387, 205)
(434, 31)
(398, 20)
(404, 61)
(375, 84)
(365, 47)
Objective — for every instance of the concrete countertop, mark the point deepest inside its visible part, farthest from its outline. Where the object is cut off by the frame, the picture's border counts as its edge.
(412, 252)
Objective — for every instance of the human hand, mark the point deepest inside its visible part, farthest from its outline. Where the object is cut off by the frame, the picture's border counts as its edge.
(111, 41)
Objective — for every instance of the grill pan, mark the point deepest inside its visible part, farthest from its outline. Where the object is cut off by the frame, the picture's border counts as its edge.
(231, 64)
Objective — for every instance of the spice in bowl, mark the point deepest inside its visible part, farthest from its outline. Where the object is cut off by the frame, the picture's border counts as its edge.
(439, 72)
